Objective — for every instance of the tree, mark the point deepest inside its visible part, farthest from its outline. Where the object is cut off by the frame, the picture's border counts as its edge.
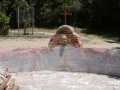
(102, 15)
(4, 24)
(47, 11)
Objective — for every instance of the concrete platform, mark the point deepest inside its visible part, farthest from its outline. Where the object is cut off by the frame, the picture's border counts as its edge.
(68, 58)
(56, 80)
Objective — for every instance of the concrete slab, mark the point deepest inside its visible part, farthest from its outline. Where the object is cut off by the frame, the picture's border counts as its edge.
(56, 80)
(68, 58)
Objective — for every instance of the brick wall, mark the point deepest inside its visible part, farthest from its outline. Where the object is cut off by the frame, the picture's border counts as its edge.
(73, 38)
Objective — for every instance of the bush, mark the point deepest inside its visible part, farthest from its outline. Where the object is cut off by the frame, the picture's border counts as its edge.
(4, 24)
(26, 24)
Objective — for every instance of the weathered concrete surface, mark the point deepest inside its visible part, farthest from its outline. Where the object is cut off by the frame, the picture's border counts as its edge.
(69, 58)
(55, 80)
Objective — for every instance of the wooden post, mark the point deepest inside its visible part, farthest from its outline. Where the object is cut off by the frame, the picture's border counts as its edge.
(65, 14)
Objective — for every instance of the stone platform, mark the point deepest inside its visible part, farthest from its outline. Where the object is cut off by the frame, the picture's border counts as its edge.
(56, 80)
(60, 58)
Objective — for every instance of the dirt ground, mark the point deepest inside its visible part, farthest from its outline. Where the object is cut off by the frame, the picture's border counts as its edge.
(43, 36)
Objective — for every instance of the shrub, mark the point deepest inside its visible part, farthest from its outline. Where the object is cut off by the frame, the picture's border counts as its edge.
(4, 24)
(26, 24)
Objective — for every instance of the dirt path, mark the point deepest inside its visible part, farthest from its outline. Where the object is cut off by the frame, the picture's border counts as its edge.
(89, 41)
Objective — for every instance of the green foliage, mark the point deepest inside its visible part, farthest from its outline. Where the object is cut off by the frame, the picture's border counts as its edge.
(4, 4)
(102, 15)
(26, 24)
(22, 3)
(4, 24)
(47, 12)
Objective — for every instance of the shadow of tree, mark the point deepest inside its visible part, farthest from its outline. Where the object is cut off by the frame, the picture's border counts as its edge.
(108, 35)
(112, 41)
(117, 48)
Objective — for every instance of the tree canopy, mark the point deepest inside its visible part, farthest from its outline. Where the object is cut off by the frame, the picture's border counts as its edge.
(101, 15)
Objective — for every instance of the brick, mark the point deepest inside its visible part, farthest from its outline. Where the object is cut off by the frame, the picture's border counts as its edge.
(73, 38)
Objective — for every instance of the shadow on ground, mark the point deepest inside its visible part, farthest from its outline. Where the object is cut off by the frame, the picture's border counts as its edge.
(108, 35)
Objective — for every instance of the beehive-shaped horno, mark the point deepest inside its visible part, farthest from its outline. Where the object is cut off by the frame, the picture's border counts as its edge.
(72, 37)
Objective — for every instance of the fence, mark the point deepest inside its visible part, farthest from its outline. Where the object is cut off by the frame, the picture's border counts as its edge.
(25, 21)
